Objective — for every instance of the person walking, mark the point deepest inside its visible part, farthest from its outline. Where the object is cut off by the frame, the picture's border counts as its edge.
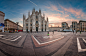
(53, 32)
(73, 31)
(80, 32)
(48, 33)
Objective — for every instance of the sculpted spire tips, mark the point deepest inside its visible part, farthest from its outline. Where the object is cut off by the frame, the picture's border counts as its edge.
(43, 15)
(23, 16)
(33, 10)
(40, 11)
(29, 14)
(47, 18)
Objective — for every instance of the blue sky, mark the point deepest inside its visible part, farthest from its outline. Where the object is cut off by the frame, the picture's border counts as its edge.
(56, 10)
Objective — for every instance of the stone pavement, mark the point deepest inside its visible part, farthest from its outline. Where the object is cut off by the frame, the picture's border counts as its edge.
(73, 50)
(66, 46)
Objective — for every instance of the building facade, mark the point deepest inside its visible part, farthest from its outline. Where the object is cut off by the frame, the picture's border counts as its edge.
(74, 26)
(35, 22)
(2, 21)
(82, 25)
(11, 26)
(78, 26)
(64, 25)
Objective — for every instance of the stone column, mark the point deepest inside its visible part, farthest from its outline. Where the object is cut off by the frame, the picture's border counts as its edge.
(47, 25)
(28, 21)
(33, 23)
(44, 25)
(24, 24)
(39, 21)
(29, 25)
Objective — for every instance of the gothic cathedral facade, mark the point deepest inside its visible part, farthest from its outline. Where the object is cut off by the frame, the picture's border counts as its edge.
(35, 22)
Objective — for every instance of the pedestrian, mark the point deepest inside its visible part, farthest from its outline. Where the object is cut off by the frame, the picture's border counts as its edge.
(76, 31)
(73, 31)
(53, 32)
(48, 33)
(80, 32)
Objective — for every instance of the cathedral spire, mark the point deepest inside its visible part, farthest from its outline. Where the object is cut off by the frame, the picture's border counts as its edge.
(33, 10)
(29, 14)
(23, 16)
(43, 15)
(40, 11)
(47, 18)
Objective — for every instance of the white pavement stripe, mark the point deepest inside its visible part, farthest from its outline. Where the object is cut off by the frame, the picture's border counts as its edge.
(36, 40)
(84, 40)
(79, 46)
(48, 41)
(16, 38)
(52, 40)
(8, 37)
(2, 35)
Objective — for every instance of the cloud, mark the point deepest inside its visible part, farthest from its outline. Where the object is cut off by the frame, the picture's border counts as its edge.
(77, 12)
(53, 8)
(57, 18)
(32, 2)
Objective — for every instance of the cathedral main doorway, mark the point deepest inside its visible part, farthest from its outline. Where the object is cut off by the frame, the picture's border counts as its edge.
(37, 29)
(42, 29)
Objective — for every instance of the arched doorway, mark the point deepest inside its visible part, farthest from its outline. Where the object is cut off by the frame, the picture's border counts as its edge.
(42, 29)
(37, 29)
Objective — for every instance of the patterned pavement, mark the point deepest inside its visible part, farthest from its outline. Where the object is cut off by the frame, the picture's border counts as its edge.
(26, 45)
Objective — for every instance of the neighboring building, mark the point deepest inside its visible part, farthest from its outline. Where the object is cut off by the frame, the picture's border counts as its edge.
(74, 26)
(69, 28)
(82, 25)
(64, 25)
(11, 26)
(35, 22)
(78, 26)
(54, 28)
(2, 21)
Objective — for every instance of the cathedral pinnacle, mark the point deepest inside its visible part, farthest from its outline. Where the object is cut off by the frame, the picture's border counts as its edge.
(33, 10)
(47, 18)
(43, 15)
(23, 16)
(29, 14)
(40, 11)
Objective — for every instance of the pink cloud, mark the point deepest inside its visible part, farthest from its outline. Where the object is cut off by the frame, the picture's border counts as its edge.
(53, 8)
(66, 15)
(56, 19)
(77, 12)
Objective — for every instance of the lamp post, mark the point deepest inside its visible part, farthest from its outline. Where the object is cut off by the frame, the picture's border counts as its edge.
(17, 25)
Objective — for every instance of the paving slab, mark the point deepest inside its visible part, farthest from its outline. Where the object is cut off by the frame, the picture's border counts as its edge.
(28, 49)
(73, 49)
